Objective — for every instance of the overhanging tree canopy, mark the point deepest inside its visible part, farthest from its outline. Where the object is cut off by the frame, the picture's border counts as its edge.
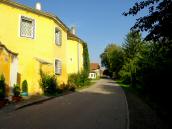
(158, 22)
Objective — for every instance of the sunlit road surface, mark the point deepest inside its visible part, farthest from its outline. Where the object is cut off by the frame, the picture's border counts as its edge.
(101, 106)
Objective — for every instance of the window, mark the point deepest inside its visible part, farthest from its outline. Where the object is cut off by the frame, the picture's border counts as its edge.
(92, 75)
(58, 37)
(58, 67)
(27, 26)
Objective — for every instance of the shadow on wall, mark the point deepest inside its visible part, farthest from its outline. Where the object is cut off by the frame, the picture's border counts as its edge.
(18, 78)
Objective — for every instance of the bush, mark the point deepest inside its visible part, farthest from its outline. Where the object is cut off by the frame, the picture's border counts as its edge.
(24, 86)
(2, 87)
(74, 79)
(71, 87)
(48, 84)
(67, 87)
(125, 76)
(79, 79)
(63, 87)
(16, 90)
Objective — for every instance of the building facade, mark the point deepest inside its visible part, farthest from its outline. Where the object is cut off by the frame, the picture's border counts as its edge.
(39, 41)
(74, 54)
(94, 71)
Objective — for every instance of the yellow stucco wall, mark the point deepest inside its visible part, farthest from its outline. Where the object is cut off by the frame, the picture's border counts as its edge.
(72, 56)
(42, 46)
(5, 61)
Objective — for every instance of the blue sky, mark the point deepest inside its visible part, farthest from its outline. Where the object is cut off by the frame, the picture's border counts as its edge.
(98, 22)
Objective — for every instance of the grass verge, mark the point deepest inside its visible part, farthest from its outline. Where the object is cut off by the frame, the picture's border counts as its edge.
(126, 87)
(141, 114)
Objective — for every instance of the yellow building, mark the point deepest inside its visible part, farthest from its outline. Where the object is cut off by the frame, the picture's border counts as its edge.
(41, 41)
(7, 58)
(74, 53)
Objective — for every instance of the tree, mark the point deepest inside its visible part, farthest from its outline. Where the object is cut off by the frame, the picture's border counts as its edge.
(112, 58)
(155, 65)
(86, 59)
(132, 48)
(132, 44)
(157, 22)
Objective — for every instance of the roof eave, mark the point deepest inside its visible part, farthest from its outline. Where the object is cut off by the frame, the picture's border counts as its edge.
(55, 18)
(71, 36)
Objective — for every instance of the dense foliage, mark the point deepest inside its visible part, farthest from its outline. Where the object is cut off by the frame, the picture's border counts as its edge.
(50, 86)
(132, 48)
(112, 59)
(16, 90)
(79, 79)
(86, 59)
(157, 22)
(2, 87)
(48, 83)
(154, 73)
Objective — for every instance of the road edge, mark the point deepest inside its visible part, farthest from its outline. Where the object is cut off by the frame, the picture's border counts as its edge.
(127, 108)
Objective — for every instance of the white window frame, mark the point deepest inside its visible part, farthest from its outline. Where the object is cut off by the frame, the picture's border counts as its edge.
(33, 29)
(59, 69)
(58, 43)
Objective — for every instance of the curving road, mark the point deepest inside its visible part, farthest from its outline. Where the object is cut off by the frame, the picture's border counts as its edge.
(101, 106)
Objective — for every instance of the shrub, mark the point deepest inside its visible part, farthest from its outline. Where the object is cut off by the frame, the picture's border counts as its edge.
(2, 87)
(79, 79)
(71, 86)
(67, 87)
(48, 84)
(16, 90)
(125, 76)
(24, 86)
(63, 87)
(74, 79)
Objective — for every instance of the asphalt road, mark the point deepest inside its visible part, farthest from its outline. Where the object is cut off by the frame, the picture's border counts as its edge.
(101, 106)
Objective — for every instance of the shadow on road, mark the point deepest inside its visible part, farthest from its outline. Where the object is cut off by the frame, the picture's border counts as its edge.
(96, 107)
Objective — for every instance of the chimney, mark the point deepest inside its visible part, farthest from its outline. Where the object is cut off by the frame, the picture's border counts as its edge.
(38, 6)
(73, 30)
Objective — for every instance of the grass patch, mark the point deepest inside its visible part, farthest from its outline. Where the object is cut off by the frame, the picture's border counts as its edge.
(127, 87)
(121, 83)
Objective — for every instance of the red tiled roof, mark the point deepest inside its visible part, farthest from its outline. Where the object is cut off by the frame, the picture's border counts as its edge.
(94, 66)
